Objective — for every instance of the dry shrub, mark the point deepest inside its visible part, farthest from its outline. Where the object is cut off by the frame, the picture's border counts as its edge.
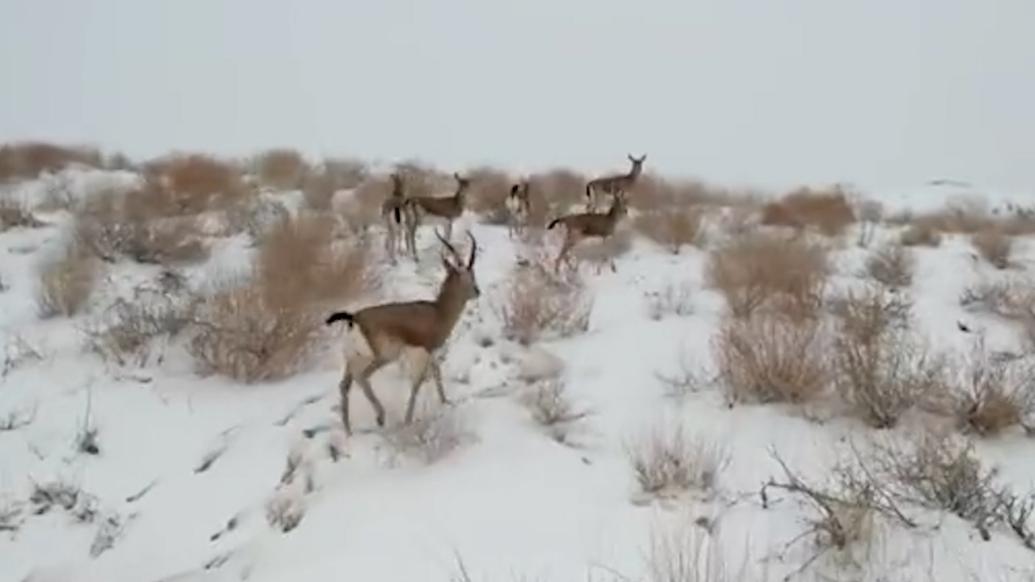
(318, 190)
(16, 214)
(548, 403)
(990, 394)
(942, 473)
(994, 246)
(346, 173)
(538, 304)
(687, 552)
(653, 193)
(237, 333)
(67, 281)
(489, 190)
(553, 193)
(920, 234)
(363, 208)
(765, 270)
(880, 369)
(892, 265)
(826, 210)
(672, 227)
(1012, 298)
(432, 435)
(301, 265)
(192, 183)
(771, 358)
(281, 169)
(266, 328)
(842, 512)
(421, 179)
(115, 224)
(125, 333)
(27, 160)
(668, 462)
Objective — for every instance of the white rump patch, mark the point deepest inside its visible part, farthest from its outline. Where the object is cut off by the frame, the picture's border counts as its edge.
(356, 345)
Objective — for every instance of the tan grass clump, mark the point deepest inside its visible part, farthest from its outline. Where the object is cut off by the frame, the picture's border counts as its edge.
(489, 190)
(281, 169)
(267, 326)
(891, 265)
(771, 358)
(920, 234)
(991, 394)
(994, 246)
(827, 210)
(537, 304)
(193, 183)
(880, 370)
(112, 225)
(27, 160)
(239, 334)
(764, 270)
(300, 265)
(66, 282)
(669, 462)
(672, 227)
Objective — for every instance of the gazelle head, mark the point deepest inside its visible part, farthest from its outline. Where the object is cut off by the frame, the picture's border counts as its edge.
(636, 162)
(460, 280)
(519, 190)
(461, 188)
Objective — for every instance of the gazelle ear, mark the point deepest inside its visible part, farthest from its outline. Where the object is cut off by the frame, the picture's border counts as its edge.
(448, 265)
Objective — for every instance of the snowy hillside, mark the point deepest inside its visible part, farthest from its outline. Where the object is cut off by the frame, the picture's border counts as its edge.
(149, 469)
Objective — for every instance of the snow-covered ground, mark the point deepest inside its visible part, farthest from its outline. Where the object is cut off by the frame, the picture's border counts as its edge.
(189, 466)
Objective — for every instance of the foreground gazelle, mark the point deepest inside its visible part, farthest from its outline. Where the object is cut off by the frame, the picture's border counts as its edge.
(520, 206)
(615, 184)
(392, 213)
(445, 209)
(588, 225)
(381, 334)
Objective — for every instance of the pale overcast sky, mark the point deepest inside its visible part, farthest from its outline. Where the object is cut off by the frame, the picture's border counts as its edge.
(881, 92)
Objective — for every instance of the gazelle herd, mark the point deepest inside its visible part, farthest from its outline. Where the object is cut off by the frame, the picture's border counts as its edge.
(415, 331)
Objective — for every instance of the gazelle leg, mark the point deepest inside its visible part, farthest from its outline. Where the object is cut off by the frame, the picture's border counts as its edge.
(390, 240)
(363, 377)
(436, 374)
(421, 362)
(343, 388)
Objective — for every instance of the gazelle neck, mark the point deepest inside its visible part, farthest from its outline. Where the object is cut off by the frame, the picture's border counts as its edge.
(449, 304)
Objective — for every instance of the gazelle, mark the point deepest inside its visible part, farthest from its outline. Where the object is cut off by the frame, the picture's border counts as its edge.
(392, 213)
(588, 225)
(382, 334)
(615, 184)
(445, 209)
(520, 206)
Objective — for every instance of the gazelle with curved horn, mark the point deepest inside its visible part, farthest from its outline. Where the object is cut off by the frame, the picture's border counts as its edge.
(615, 184)
(414, 330)
(444, 209)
